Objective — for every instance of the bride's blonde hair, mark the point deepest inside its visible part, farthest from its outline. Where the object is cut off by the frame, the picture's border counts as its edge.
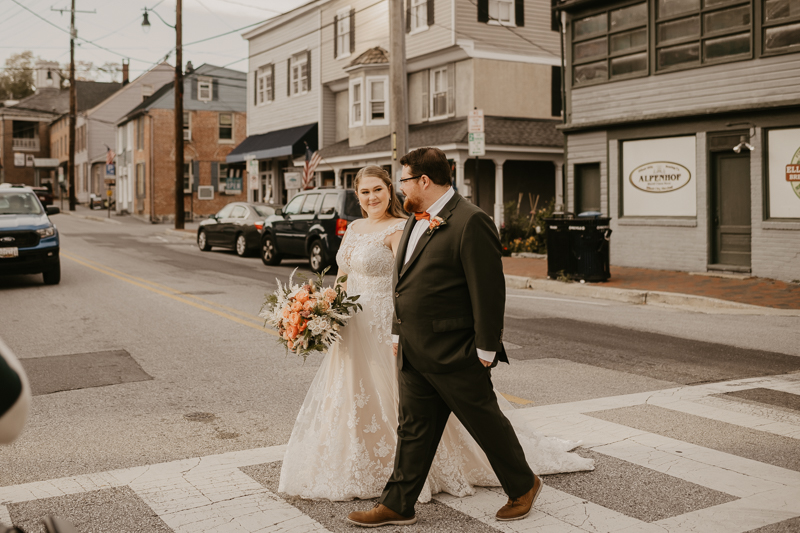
(395, 208)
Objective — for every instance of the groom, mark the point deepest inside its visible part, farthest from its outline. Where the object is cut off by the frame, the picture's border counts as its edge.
(449, 302)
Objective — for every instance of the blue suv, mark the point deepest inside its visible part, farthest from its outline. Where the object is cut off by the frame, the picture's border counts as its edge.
(28, 240)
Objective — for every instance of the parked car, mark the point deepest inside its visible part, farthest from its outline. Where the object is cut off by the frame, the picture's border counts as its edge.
(236, 226)
(29, 241)
(310, 226)
(44, 194)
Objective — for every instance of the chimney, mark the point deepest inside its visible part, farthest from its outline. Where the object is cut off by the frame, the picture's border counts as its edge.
(189, 67)
(125, 65)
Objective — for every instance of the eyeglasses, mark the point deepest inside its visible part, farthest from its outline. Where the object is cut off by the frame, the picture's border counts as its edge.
(412, 178)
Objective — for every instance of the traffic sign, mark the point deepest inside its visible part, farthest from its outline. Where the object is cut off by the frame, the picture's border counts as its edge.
(477, 144)
(475, 121)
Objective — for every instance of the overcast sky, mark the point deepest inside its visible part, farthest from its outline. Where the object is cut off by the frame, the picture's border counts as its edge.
(116, 25)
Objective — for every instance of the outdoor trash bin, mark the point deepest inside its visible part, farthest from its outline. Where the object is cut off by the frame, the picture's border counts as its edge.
(559, 257)
(589, 246)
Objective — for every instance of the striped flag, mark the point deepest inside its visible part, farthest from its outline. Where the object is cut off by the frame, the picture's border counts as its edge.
(309, 166)
(110, 155)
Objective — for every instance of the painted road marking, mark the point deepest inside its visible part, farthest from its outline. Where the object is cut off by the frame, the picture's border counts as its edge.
(251, 322)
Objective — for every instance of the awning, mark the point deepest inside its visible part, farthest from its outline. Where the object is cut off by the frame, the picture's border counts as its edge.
(279, 143)
(45, 162)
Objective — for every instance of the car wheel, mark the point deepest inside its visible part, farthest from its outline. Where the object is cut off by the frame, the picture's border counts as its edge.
(241, 245)
(202, 242)
(317, 258)
(52, 276)
(269, 254)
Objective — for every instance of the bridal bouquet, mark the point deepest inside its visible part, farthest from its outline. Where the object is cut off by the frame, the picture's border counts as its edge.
(308, 316)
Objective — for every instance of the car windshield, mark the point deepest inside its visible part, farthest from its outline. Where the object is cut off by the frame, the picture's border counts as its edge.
(19, 203)
(263, 211)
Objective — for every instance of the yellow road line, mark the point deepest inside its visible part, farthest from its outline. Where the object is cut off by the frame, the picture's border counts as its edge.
(222, 314)
(515, 399)
(165, 287)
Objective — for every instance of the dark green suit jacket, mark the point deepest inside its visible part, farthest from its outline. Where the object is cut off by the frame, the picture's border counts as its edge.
(450, 297)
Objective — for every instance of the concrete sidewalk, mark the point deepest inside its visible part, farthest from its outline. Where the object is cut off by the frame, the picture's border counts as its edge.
(642, 285)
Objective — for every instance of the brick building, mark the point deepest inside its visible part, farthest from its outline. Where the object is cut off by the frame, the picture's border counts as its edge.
(214, 123)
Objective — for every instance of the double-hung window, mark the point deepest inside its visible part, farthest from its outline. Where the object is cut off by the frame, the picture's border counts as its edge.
(418, 15)
(610, 45)
(378, 89)
(781, 26)
(204, 90)
(501, 11)
(356, 99)
(226, 126)
(298, 71)
(342, 29)
(695, 32)
(265, 85)
(439, 92)
(187, 126)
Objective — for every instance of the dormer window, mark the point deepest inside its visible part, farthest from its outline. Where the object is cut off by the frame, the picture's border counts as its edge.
(205, 90)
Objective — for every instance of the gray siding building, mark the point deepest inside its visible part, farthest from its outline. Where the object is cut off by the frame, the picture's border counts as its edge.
(682, 123)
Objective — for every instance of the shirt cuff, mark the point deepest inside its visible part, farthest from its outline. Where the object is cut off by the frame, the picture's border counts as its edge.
(486, 356)
(395, 339)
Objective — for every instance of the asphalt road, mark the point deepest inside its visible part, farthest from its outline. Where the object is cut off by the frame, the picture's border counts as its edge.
(150, 351)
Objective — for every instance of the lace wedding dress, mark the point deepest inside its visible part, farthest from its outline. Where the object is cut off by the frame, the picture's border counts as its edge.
(343, 441)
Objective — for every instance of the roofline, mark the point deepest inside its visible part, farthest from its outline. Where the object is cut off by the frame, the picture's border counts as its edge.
(283, 18)
(569, 5)
(114, 95)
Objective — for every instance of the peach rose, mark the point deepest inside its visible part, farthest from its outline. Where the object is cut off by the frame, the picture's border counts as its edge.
(324, 305)
(294, 319)
(293, 331)
(301, 297)
(285, 312)
(309, 305)
(291, 345)
(297, 306)
(329, 295)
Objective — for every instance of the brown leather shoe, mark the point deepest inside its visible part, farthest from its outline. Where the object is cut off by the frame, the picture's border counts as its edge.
(378, 516)
(519, 508)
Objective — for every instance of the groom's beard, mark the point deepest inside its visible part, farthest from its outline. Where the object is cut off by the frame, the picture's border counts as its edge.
(411, 205)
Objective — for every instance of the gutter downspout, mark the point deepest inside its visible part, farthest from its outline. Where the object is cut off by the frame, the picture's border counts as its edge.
(565, 167)
(152, 172)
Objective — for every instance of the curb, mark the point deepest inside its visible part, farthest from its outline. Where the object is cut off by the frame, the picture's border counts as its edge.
(90, 217)
(183, 233)
(640, 297)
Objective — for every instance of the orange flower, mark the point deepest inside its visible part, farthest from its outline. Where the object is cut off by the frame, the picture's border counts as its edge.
(309, 305)
(297, 307)
(324, 305)
(293, 331)
(329, 295)
(294, 319)
(303, 325)
(291, 345)
(285, 312)
(301, 297)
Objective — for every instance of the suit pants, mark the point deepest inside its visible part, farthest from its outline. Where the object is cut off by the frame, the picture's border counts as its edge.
(426, 401)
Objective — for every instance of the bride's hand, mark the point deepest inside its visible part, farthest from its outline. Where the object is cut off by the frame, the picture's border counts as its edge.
(394, 348)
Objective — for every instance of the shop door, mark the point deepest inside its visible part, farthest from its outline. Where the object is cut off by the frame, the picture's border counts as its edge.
(730, 210)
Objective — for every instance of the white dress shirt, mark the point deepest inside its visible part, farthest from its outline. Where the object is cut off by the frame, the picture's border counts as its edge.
(420, 228)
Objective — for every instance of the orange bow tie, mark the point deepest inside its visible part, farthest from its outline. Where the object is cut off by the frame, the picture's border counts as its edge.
(424, 214)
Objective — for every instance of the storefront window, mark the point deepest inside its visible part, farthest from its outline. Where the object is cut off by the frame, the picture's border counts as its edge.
(781, 26)
(610, 45)
(691, 32)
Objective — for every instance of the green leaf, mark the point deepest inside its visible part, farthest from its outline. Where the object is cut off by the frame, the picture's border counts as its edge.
(343, 279)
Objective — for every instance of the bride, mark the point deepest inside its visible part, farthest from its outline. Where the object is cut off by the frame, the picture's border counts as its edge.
(343, 441)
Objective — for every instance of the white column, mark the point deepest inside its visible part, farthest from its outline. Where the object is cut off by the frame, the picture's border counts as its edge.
(338, 180)
(560, 184)
(462, 187)
(498, 192)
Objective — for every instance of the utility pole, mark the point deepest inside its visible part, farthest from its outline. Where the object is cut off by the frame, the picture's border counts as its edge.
(179, 208)
(398, 85)
(73, 104)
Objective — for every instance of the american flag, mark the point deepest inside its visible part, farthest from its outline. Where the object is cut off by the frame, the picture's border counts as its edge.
(309, 166)
(110, 155)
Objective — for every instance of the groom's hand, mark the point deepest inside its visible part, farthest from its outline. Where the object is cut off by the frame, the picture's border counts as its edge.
(394, 348)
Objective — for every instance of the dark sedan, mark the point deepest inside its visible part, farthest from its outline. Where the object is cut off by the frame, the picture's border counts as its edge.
(237, 226)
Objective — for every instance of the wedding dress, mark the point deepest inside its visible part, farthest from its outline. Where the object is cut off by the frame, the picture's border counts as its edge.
(343, 441)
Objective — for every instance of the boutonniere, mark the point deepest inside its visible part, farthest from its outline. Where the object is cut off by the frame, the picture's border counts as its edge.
(434, 224)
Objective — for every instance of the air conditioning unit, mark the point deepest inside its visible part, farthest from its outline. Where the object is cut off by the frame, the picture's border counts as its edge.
(187, 135)
(205, 192)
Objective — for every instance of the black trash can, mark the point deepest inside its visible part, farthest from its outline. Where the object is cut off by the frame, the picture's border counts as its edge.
(560, 260)
(589, 238)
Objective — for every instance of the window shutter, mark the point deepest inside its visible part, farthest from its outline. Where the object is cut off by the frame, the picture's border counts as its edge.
(555, 92)
(194, 88)
(408, 16)
(430, 12)
(289, 77)
(352, 30)
(215, 175)
(195, 175)
(451, 88)
(555, 17)
(255, 87)
(336, 36)
(519, 12)
(426, 83)
(308, 69)
(214, 90)
(272, 80)
(483, 10)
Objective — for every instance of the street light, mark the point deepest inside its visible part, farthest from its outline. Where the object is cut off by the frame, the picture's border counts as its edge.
(179, 204)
